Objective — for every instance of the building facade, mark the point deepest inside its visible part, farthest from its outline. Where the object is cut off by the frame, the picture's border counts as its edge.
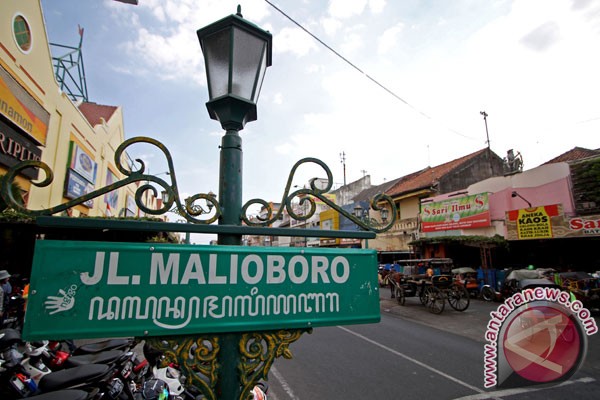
(39, 121)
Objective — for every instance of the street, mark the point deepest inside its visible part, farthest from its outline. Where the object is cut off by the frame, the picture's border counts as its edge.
(406, 356)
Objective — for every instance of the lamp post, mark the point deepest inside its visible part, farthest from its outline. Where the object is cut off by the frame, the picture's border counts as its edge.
(363, 215)
(237, 54)
(515, 194)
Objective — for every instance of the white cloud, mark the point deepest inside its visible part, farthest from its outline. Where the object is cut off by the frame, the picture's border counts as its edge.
(284, 149)
(295, 41)
(346, 8)
(169, 57)
(331, 25)
(278, 98)
(452, 63)
(352, 42)
(389, 38)
(377, 6)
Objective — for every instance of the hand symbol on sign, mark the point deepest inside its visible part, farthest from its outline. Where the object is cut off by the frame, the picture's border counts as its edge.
(60, 303)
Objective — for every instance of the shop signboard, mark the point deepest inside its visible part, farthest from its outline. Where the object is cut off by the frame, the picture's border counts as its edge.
(76, 186)
(17, 105)
(15, 148)
(549, 222)
(82, 163)
(465, 212)
(154, 289)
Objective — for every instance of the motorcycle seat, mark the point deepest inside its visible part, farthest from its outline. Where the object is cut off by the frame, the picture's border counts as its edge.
(84, 374)
(111, 344)
(61, 395)
(105, 357)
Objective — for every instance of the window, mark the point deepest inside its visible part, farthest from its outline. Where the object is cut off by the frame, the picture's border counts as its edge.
(22, 33)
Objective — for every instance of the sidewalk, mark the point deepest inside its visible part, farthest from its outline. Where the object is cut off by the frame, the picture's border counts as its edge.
(471, 323)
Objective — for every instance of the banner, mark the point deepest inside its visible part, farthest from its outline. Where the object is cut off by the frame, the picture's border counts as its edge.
(76, 186)
(82, 163)
(460, 213)
(533, 223)
(22, 109)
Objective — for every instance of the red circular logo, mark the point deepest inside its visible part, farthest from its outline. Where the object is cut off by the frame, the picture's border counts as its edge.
(542, 344)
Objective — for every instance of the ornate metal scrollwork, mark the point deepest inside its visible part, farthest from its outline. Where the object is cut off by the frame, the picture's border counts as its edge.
(308, 196)
(188, 208)
(196, 356)
(258, 352)
(172, 202)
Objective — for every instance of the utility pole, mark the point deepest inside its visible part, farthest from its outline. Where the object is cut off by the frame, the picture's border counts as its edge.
(343, 161)
(487, 135)
(486, 127)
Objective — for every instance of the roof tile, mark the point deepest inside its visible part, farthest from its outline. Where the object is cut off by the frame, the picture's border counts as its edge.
(95, 112)
(576, 153)
(429, 176)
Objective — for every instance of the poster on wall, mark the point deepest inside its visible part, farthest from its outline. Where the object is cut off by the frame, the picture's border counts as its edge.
(111, 198)
(76, 186)
(533, 223)
(22, 109)
(82, 163)
(549, 222)
(465, 212)
(131, 210)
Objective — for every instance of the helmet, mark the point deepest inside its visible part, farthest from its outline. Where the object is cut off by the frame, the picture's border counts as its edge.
(259, 392)
(172, 377)
(155, 389)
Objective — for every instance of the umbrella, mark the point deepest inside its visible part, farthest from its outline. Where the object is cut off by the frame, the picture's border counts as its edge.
(464, 270)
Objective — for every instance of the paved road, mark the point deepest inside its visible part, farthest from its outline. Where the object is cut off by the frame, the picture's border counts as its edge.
(406, 356)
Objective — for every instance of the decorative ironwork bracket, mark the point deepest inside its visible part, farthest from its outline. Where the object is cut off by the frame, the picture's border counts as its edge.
(191, 211)
(197, 356)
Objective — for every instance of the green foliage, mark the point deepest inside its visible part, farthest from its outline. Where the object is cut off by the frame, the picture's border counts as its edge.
(16, 191)
(10, 215)
(587, 180)
(468, 240)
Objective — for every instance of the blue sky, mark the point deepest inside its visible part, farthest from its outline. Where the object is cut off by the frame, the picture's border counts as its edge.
(531, 65)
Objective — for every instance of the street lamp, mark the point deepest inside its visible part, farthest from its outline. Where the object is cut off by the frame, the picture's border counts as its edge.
(384, 214)
(237, 54)
(515, 194)
(358, 211)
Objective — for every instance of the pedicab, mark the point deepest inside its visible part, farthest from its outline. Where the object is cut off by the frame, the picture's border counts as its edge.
(467, 277)
(434, 288)
(584, 286)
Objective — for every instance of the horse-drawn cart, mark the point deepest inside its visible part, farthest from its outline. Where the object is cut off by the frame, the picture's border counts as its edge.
(434, 288)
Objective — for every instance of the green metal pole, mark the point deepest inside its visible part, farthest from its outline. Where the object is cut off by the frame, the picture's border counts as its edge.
(230, 200)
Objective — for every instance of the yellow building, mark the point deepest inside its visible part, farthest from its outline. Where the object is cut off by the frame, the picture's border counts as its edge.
(38, 121)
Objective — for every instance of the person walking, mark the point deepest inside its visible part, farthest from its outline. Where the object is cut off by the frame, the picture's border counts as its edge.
(5, 290)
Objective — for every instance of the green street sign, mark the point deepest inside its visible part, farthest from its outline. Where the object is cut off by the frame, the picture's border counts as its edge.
(102, 289)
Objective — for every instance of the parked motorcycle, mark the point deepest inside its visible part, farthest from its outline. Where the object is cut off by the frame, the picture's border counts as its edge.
(69, 394)
(24, 374)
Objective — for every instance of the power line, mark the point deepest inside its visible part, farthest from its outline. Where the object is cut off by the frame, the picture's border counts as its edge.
(389, 91)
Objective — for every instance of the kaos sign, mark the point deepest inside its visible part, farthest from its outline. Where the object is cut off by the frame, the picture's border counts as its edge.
(138, 289)
(537, 336)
